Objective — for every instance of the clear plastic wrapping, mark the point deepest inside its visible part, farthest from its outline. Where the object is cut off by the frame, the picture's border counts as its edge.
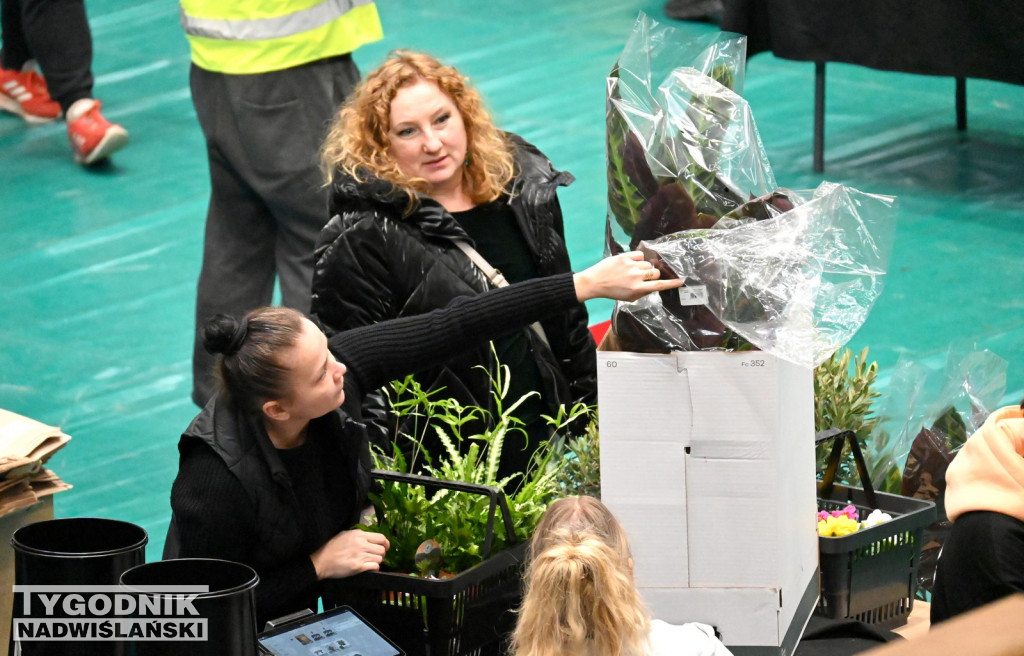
(689, 183)
(925, 418)
(685, 152)
(951, 403)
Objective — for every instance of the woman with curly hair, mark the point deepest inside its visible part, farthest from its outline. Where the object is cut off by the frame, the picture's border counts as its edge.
(580, 599)
(422, 181)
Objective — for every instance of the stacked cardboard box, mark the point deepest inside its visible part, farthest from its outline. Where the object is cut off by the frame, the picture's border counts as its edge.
(25, 446)
(26, 492)
(707, 458)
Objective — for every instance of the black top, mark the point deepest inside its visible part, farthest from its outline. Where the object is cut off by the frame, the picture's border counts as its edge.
(226, 455)
(323, 507)
(497, 236)
(493, 228)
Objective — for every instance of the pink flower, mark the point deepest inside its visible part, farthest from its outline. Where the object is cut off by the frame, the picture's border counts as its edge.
(848, 511)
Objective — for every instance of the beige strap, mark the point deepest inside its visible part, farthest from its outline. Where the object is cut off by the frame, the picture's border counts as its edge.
(497, 279)
(492, 274)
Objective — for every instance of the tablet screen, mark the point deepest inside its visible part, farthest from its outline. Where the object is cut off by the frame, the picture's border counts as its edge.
(339, 632)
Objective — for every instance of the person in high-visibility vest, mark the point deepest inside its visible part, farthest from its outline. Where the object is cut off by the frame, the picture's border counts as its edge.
(266, 78)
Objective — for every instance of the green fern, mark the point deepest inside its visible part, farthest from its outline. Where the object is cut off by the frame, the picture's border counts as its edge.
(409, 515)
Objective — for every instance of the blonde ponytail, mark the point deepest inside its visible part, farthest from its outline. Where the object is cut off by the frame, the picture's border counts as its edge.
(580, 598)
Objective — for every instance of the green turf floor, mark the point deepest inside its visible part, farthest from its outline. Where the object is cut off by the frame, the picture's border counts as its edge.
(98, 267)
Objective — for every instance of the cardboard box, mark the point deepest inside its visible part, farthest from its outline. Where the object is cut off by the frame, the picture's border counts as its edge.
(992, 630)
(9, 523)
(707, 459)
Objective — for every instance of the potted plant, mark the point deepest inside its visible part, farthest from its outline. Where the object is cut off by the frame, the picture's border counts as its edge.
(452, 573)
(843, 400)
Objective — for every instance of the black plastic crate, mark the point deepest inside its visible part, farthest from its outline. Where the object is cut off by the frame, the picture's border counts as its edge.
(870, 575)
(468, 614)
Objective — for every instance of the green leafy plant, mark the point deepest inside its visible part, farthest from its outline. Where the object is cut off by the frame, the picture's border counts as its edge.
(843, 399)
(577, 462)
(625, 198)
(411, 516)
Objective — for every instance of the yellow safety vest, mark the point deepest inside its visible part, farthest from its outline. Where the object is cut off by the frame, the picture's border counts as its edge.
(257, 36)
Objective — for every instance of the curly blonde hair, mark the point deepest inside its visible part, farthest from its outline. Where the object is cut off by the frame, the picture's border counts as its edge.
(580, 598)
(358, 141)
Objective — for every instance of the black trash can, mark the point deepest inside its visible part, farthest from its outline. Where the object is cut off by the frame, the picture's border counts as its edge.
(70, 556)
(218, 622)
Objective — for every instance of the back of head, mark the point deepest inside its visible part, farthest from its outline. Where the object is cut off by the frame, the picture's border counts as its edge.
(358, 141)
(249, 369)
(580, 597)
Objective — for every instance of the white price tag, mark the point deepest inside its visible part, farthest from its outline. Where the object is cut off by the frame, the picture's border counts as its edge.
(696, 295)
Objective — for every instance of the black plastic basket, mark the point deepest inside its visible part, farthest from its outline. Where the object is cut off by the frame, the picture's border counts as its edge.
(470, 613)
(870, 575)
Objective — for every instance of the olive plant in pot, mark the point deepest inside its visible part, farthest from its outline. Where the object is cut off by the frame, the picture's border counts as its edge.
(576, 461)
(843, 398)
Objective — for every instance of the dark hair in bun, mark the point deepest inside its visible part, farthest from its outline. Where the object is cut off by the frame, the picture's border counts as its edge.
(224, 334)
(248, 368)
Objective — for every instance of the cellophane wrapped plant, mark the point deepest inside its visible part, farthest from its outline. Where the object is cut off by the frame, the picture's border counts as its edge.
(925, 416)
(689, 183)
(456, 522)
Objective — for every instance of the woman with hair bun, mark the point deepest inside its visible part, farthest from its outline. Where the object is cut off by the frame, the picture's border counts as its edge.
(274, 471)
(580, 598)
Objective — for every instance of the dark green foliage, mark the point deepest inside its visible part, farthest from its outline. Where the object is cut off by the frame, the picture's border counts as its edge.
(409, 515)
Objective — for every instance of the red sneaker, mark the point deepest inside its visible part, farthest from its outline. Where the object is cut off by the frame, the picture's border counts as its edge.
(24, 93)
(93, 137)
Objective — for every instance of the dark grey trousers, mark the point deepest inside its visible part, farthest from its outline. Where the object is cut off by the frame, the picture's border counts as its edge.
(267, 199)
(56, 34)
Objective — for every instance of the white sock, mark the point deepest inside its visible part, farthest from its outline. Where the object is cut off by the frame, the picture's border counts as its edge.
(79, 107)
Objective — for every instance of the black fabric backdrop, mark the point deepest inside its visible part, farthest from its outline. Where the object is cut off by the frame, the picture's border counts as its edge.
(956, 38)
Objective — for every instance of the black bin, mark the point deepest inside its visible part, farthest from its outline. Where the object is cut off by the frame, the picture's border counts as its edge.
(66, 553)
(227, 610)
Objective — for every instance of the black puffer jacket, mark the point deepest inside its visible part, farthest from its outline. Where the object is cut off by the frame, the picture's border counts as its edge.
(373, 262)
(257, 519)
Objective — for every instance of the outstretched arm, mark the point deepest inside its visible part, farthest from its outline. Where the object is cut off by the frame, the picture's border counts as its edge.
(392, 349)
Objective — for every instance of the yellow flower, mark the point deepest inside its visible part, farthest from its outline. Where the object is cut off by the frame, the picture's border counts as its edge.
(837, 526)
(846, 525)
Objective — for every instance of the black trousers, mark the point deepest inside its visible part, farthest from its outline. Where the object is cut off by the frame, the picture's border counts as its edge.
(56, 34)
(982, 560)
(268, 202)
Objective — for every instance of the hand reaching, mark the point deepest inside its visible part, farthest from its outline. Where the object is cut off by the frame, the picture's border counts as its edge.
(623, 277)
(349, 553)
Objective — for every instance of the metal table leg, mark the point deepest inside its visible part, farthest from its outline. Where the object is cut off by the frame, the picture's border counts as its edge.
(819, 116)
(961, 104)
